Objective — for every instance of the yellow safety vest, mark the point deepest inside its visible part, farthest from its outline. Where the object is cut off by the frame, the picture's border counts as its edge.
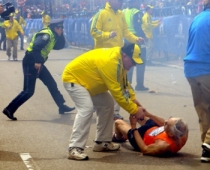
(46, 50)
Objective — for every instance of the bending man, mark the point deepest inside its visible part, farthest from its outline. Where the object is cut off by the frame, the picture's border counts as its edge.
(88, 79)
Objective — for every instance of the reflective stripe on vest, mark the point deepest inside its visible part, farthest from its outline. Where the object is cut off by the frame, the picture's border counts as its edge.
(129, 13)
(46, 50)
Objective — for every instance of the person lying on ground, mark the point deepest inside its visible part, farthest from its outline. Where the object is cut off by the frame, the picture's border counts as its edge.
(155, 136)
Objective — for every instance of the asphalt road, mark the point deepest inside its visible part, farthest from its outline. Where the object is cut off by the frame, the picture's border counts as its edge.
(39, 139)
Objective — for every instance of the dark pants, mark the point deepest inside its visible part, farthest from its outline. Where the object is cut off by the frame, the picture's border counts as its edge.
(140, 69)
(21, 40)
(3, 38)
(30, 76)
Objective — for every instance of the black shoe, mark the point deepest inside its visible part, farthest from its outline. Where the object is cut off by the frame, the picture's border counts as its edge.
(9, 115)
(142, 88)
(65, 108)
(205, 156)
(21, 48)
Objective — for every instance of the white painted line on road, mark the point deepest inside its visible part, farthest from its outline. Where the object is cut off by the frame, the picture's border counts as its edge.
(28, 161)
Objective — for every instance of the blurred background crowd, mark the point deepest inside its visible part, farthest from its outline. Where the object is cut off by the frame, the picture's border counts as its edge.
(74, 8)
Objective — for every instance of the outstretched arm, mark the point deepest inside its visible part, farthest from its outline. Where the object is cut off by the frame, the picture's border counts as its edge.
(160, 121)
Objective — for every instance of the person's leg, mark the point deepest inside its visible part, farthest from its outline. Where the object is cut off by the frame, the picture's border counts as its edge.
(205, 88)
(104, 106)
(149, 51)
(140, 70)
(82, 122)
(28, 90)
(200, 88)
(21, 41)
(9, 46)
(121, 129)
(15, 44)
(49, 81)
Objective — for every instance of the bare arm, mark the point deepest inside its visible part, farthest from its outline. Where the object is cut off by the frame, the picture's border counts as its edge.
(160, 121)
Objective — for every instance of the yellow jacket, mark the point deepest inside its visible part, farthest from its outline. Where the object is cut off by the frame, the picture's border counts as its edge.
(11, 29)
(46, 20)
(148, 25)
(105, 21)
(100, 74)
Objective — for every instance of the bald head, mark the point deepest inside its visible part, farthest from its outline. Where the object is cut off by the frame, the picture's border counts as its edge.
(180, 128)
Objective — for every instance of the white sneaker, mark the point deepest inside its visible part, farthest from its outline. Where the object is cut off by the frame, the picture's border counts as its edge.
(8, 58)
(105, 146)
(206, 147)
(77, 154)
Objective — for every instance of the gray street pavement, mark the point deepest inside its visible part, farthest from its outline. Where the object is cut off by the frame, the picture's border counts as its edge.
(39, 139)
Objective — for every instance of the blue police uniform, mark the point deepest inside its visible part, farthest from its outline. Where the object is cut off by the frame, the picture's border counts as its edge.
(37, 52)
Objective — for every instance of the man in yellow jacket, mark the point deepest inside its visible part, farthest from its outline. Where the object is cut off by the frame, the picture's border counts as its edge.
(88, 79)
(11, 28)
(147, 27)
(22, 23)
(45, 19)
(108, 29)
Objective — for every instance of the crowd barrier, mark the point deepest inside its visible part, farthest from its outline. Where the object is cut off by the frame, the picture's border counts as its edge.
(170, 36)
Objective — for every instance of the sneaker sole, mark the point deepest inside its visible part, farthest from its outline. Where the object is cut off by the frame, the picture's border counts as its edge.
(205, 160)
(103, 149)
(77, 158)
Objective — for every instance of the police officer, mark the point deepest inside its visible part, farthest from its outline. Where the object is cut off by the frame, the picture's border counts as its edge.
(33, 67)
(133, 19)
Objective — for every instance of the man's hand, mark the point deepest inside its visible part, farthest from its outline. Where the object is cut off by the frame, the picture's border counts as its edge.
(112, 34)
(139, 39)
(133, 121)
(140, 113)
(38, 66)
